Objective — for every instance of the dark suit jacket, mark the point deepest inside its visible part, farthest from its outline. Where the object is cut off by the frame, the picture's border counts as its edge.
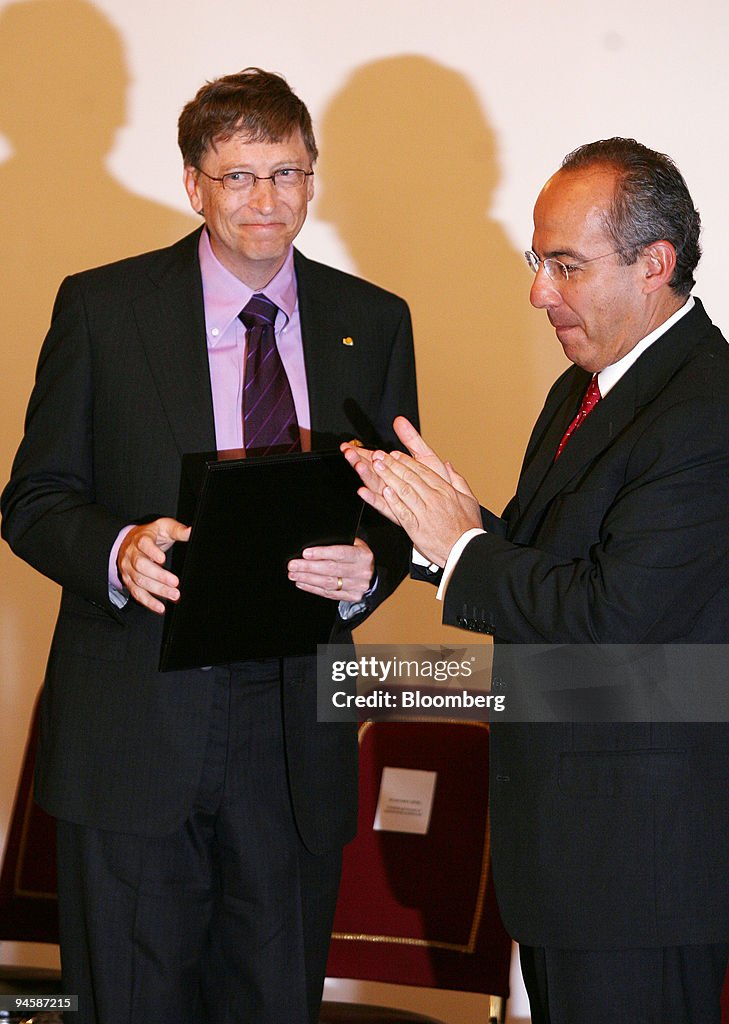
(611, 835)
(122, 392)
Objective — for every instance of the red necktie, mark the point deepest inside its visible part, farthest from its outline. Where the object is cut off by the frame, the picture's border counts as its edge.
(590, 399)
(269, 415)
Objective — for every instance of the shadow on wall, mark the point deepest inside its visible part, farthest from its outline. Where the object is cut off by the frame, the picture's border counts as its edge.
(410, 168)
(63, 84)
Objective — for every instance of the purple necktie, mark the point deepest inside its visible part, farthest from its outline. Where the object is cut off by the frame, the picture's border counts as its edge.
(269, 416)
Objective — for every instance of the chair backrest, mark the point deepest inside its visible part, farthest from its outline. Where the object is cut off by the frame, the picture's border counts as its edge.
(420, 909)
(28, 888)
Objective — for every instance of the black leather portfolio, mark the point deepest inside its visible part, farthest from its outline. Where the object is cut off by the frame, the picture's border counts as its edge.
(249, 517)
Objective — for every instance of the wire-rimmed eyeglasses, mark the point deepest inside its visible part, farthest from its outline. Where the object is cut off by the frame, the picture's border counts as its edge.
(555, 269)
(244, 181)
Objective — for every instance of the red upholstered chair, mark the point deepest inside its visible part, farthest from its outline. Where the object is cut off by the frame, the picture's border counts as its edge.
(28, 900)
(420, 909)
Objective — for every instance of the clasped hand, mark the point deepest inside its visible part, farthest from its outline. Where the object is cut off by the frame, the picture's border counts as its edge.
(425, 495)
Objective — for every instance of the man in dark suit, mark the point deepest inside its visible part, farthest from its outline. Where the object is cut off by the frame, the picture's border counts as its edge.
(610, 838)
(201, 814)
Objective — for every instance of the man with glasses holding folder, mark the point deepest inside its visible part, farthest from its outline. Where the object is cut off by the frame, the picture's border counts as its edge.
(201, 813)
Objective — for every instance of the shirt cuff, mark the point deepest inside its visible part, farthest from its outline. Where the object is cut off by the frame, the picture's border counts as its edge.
(455, 553)
(118, 593)
(417, 558)
(349, 609)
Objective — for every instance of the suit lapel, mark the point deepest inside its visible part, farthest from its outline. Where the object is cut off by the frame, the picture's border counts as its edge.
(315, 329)
(543, 479)
(325, 320)
(609, 417)
(559, 411)
(171, 322)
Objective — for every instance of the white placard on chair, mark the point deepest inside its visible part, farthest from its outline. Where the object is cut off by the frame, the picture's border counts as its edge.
(405, 800)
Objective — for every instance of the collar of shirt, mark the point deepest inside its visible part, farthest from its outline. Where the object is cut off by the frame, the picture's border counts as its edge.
(610, 376)
(225, 295)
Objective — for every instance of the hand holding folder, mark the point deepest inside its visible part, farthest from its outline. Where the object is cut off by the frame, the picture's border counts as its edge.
(250, 518)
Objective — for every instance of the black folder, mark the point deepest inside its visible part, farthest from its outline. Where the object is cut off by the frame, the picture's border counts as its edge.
(249, 517)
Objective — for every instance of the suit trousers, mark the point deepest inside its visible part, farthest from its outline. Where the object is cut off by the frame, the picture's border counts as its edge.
(227, 919)
(661, 985)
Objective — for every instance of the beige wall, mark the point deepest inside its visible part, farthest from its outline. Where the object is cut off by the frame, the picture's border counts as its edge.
(437, 124)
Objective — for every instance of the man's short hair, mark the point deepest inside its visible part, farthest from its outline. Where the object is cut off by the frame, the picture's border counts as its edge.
(259, 104)
(651, 203)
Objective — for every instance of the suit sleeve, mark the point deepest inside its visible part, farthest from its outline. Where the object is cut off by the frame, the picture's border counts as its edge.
(50, 515)
(426, 574)
(649, 561)
(391, 545)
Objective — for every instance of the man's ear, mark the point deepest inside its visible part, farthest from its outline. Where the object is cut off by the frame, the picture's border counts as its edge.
(659, 263)
(190, 181)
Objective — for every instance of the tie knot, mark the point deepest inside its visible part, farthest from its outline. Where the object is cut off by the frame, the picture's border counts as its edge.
(258, 310)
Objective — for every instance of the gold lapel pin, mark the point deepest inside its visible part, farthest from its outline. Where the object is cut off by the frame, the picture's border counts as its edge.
(348, 341)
